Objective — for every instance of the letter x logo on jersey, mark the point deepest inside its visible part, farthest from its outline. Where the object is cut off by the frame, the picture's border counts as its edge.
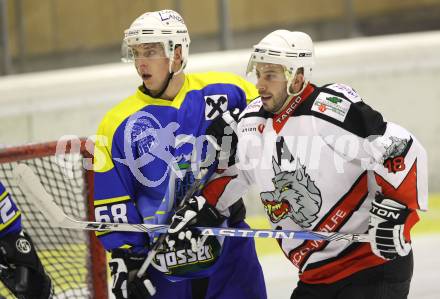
(215, 105)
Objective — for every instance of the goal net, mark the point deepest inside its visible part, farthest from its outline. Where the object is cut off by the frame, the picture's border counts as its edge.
(74, 259)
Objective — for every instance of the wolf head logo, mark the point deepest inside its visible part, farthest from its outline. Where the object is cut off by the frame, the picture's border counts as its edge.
(295, 196)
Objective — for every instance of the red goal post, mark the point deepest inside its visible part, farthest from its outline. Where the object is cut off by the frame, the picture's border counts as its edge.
(75, 260)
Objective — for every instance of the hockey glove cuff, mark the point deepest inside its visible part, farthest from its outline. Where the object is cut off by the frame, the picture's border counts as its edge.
(387, 223)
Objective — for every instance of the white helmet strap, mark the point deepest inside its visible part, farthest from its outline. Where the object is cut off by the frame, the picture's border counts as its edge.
(182, 66)
(291, 80)
(170, 64)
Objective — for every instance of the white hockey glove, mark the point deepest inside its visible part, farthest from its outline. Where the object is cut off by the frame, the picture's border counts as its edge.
(196, 211)
(124, 266)
(21, 270)
(387, 222)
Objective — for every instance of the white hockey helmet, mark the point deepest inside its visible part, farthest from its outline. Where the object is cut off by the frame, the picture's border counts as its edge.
(291, 49)
(164, 26)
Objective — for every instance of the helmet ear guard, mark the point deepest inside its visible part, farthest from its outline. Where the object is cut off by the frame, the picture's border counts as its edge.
(166, 27)
(291, 49)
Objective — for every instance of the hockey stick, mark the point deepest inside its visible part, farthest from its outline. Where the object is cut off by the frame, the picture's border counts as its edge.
(31, 186)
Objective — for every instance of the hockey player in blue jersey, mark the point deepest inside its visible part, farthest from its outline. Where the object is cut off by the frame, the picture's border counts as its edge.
(147, 154)
(20, 268)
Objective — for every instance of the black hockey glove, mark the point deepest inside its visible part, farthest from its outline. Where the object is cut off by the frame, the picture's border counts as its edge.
(124, 266)
(195, 211)
(223, 129)
(21, 269)
(387, 222)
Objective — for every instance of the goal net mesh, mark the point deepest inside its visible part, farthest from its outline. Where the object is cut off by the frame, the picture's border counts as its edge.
(72, 258)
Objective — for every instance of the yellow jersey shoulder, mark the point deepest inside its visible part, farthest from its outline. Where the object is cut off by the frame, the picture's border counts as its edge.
(116, 115)
(201, 80)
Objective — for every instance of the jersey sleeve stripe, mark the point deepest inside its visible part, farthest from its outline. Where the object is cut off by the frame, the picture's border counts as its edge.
(101, 202)
(125, 246)
(3, 196)
(99, 234)
(3, 226)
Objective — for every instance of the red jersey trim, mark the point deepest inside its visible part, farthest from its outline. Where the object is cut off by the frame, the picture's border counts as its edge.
(333, 221)
(279, 120)
(359, 259)
(215, 188)
(406, 192)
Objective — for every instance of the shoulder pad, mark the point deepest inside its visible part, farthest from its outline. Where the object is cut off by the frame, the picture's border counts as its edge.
(331, 105)
(345, 90)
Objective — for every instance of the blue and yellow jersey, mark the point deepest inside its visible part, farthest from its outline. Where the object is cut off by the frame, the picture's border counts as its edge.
(10, 215)
(147, 148)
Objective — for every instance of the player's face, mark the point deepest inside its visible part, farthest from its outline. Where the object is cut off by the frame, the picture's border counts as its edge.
(151, 64)
(272, 86)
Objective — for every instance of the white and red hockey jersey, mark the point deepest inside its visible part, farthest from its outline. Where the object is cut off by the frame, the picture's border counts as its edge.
(317, 166)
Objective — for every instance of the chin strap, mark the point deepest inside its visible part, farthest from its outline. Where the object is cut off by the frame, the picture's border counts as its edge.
(299, 92)
(160, 93)
(289, 83)
(290, 77)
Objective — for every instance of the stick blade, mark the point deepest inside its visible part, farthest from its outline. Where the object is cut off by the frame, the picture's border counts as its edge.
(32, 188)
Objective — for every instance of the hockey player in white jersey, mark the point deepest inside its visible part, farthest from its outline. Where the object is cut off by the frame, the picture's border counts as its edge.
(323, 160)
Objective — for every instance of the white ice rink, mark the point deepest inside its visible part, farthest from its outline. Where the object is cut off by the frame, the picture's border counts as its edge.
(281, 276)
